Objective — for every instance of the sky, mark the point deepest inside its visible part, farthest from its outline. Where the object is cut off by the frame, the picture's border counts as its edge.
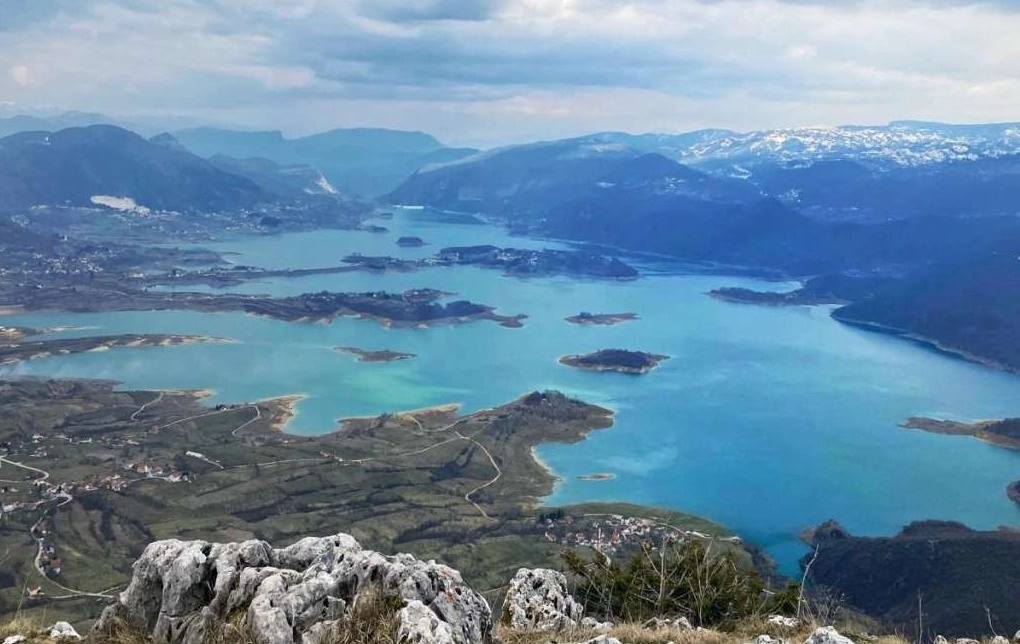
(486, 72)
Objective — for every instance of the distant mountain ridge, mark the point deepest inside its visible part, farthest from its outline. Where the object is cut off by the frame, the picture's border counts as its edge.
(365, 162)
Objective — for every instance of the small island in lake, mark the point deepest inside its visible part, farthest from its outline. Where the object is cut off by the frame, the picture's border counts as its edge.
(521, 262)
(618, 360)
(383, 355)
(600, 319)
(597, 476)
(410, 242)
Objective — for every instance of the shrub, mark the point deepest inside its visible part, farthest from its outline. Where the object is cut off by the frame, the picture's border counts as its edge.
(682, 578)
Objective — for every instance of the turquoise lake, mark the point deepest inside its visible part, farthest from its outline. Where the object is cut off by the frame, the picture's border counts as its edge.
(768, 420)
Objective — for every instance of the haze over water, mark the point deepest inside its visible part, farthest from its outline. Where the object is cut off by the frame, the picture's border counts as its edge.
(768, 420)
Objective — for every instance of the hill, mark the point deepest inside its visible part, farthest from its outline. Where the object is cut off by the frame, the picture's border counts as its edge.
(943, 566)
(970, 306)
(72, 166)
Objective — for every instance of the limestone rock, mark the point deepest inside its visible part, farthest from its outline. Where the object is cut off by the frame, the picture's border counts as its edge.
(966, 640)
(941, 640)
(1016, 637)
(293, 595)
(539, 599)
(999, 639)
(419, 625)
(767, 639)
(600, 639)
(595, 625)
(14, 639)
(783, 621)
(661, 623)
(827, 635)
(63, 630)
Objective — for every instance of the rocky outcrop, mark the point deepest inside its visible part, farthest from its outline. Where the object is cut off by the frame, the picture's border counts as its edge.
(181, 589)
(63, 630)
(661, 623)
(827, 635)
(540, 600)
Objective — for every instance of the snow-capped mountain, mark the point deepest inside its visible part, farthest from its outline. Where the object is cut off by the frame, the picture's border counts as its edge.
(899, 144)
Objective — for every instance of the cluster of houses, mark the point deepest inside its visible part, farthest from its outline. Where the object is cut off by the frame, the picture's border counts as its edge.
(613, 533)
(36, 490)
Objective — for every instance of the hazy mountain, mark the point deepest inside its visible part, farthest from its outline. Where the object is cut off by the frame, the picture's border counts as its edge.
(30, 123)
(360, 161)
(287, 181)
(74, 165)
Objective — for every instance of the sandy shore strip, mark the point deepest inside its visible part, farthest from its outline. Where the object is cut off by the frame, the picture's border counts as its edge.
(284, 410)
(545, 466)
(447, 408)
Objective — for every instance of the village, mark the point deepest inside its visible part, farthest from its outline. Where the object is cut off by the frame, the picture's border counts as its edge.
(614, 534)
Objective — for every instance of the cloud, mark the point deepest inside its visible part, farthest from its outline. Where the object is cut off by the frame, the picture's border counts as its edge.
(518, 68)
(21, 75)
(425, 10)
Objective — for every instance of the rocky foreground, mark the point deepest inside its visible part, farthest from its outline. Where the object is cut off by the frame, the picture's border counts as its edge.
(182, 592)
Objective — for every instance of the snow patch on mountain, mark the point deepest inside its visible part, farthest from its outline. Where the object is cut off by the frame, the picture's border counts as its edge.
(123, 204)
(897, 144)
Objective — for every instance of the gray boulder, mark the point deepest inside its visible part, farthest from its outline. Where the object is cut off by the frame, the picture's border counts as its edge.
(539, 599)
(181, 589)
(827, 635)
(999, 639)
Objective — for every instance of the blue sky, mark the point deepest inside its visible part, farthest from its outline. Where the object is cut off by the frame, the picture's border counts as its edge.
(491, 71)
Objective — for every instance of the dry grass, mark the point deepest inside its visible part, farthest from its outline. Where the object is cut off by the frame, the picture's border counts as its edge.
(371, 620)
(31, 629)
(745, 632)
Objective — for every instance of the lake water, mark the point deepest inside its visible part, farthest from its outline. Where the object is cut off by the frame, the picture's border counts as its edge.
(768, 420)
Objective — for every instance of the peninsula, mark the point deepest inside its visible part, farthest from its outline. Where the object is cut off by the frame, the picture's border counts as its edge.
(1013, 492)
(1004, 433)
(19, 351)
(383, 355)
(413, 308)
(799, 297)
(600, 319)
(618, 360)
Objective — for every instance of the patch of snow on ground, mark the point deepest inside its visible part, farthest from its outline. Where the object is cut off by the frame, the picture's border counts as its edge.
(124, 204)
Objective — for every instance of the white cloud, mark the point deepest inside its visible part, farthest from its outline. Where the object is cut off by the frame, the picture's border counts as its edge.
(498, 69)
